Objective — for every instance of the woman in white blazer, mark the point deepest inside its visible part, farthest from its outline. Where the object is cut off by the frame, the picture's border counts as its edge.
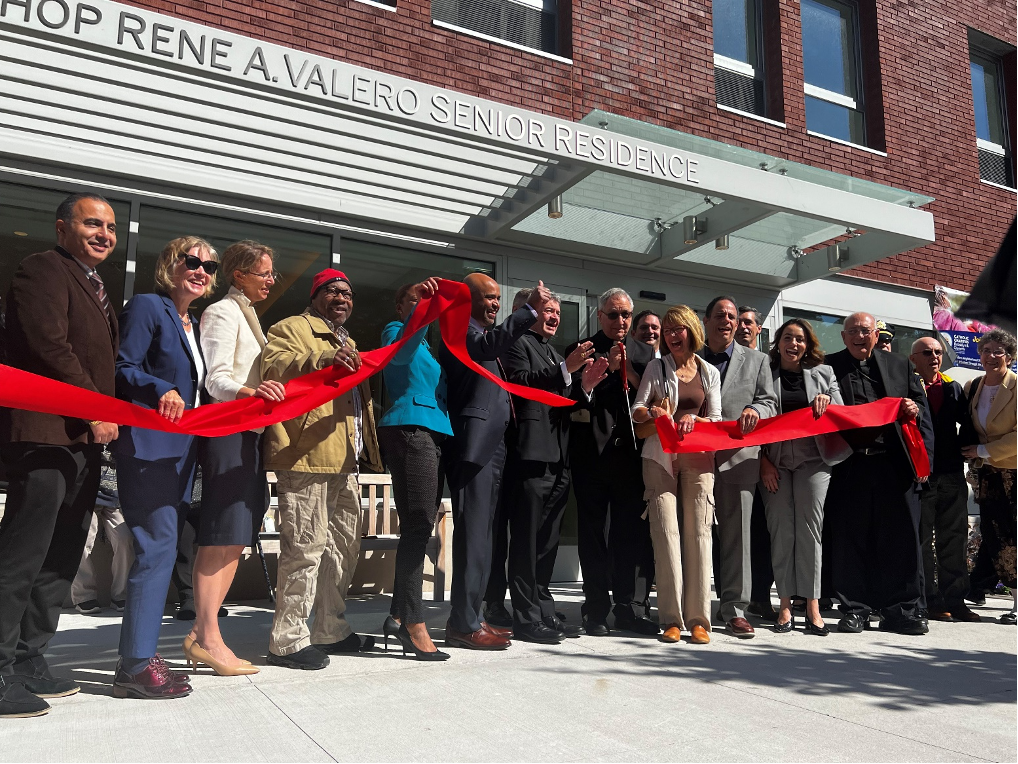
(681, 385)
(234, 491)
(795, 473)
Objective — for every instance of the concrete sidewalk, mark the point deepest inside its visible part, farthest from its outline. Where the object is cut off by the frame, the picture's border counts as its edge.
(947, 696)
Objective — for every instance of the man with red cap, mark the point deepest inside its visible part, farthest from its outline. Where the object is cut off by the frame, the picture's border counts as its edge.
(315, 458)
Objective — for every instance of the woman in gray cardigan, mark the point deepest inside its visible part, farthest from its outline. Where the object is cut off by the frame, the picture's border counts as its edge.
(795, 473)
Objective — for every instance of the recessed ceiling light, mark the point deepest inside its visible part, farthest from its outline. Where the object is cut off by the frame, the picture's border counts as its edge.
(20, 233)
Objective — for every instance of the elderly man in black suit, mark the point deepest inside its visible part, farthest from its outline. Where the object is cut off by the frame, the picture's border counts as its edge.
(873, 500)
(479, 411)
(537, 476)
(747, 395)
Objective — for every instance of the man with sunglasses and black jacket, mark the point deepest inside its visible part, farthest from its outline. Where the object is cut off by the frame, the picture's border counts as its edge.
(608, 478)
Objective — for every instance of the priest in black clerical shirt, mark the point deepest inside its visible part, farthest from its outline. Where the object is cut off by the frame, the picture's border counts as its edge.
(873, 502)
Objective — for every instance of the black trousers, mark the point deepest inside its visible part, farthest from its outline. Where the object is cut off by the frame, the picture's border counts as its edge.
(414, 459)
(50, 496)
(613, 537)
(943, 533)
(498, 580)
(535, 496)
(760, 552)
(874, 513)
(474, 489)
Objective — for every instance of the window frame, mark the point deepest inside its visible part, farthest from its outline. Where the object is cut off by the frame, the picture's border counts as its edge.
(986, 58)
(756, 71)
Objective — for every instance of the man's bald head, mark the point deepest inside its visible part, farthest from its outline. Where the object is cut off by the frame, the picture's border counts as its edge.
(860, 335)
(484, 298)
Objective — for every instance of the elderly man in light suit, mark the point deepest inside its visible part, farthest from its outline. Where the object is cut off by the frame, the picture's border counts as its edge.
(747, 395)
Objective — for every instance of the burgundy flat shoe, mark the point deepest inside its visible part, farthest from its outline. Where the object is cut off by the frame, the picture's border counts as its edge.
(155, 681)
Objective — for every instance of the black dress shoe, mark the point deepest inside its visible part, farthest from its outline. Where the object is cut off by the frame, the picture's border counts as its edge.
(909, 625)
(496, 614)
(537, 632)
(18, 703)
(853, 623)
(185, 611)
(596, 627)
(639, 625)
(763, 610)
(976, 597)
(36, 676)
(355, 643)
(309, 658)
(565, 629)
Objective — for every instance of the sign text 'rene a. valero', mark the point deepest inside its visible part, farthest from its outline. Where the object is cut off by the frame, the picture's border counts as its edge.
(156, 36)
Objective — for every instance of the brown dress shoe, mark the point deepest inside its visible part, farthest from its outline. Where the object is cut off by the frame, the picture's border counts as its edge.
(498, 631)
(699, 636)
(672, 634)
(741, 628)
(962, 613)
(939, 615)
(482, 639)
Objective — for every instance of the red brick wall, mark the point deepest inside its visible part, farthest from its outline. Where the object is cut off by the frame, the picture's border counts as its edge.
(652, 60)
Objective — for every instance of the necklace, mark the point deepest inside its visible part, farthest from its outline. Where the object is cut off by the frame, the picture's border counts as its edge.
(186, 320)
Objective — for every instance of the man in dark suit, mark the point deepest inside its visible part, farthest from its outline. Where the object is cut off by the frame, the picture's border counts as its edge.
(479, 411)
(60, 324)
(747, 395)
(607, 471)
(537, 476)
(943, 525)
(873, 500)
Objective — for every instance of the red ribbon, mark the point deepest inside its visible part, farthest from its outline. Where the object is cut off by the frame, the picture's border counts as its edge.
(450, 304)
(720, 436)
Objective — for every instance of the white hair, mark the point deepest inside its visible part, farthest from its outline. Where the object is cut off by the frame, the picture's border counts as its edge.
(918, 342)
(608, 294)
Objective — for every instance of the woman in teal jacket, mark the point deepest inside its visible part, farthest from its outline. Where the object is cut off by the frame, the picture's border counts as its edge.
(410, 434)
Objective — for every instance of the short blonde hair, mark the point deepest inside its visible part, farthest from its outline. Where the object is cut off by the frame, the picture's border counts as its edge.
(243, 256)
(683, 315)
(173, 251)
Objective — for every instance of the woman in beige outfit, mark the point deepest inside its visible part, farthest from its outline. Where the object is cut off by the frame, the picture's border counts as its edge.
(682, 385)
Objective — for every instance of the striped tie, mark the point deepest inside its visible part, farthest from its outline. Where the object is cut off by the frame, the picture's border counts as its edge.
(100, 291)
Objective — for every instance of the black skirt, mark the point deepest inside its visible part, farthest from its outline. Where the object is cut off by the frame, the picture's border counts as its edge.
(235, 494)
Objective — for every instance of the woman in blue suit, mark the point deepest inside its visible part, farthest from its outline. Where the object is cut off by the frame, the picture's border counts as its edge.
(410, 434)
(160, 366)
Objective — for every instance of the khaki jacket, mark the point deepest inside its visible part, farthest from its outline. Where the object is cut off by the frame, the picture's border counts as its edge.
(999, 436)
(323, 439)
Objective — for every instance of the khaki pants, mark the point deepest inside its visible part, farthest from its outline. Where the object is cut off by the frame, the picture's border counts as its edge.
(319, 541)
(85, 587)
(681, 533)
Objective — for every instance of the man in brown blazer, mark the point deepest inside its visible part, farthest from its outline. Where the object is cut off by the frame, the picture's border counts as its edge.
(61, 325)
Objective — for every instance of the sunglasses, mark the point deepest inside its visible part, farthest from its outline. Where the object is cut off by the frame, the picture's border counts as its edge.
(929, 353)
(193, 263)
(615, 315)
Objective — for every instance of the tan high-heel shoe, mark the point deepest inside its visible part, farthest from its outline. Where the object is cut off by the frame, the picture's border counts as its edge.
(189, 640)
(196, 654)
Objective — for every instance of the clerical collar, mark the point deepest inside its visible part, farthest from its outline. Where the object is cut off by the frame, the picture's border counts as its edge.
(541, 338)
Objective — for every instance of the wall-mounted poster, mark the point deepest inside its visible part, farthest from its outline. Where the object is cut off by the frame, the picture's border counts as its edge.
(960, 334)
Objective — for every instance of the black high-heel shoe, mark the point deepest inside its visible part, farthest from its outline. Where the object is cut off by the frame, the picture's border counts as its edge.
(820, 631)
(390, 629)
(419, 654)
(784, 628)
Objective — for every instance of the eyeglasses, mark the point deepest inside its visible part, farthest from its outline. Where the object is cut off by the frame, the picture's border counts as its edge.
(993, 352)
(193, 263)
(615, 315)
(862, 331)
(346, 294)
(274, 275)
(671, 331)
(929, 353)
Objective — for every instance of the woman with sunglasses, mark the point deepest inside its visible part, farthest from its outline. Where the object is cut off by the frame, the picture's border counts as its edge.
(159, 366)
(993, 461)
(234, 490)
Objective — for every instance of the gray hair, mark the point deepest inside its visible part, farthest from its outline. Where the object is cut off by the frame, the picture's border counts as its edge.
(757, 318)
(1001, 338)
(608, 294)
(918, 342)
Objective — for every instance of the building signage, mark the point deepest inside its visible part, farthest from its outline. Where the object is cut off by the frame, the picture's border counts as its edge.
(157, 37)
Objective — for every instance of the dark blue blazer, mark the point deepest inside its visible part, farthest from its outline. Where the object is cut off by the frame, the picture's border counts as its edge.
(478, 408)
(155, 357)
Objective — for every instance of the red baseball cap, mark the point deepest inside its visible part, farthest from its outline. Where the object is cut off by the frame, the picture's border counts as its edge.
(327, 277)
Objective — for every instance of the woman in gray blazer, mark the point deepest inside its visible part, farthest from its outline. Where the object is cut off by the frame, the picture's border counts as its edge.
(795, 473)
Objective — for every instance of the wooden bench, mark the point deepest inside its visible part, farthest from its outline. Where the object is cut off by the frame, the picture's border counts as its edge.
(379, 528)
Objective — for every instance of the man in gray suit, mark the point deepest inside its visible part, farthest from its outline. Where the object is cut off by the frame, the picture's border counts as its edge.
(747, 395)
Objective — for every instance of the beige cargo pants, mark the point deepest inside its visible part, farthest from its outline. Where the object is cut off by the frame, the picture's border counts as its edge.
(319, 541)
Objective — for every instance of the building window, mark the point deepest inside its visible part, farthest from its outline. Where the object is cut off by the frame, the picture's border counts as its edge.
(831, 55)
(527, 23)
(991, 126)
(738, 55)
